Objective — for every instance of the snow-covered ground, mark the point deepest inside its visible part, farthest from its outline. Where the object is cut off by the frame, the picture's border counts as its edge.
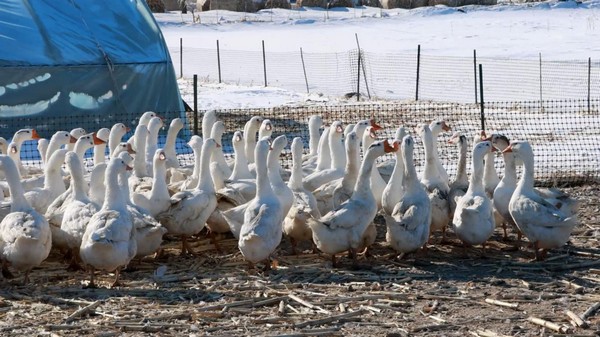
(558, 30)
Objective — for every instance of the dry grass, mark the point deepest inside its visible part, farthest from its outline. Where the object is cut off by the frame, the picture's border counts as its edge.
(447, 291)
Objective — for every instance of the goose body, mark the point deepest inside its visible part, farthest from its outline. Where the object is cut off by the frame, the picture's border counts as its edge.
(189, 210)
(544, 224)
(460, 185)
(336, 171)
(25, 237)
(41, 198)
(473, 219)
(261, 231)
(343, 228)
(408, 223)
(392, 193)
(436, 188)
(108, 242)
(157, 200)
(304, 205)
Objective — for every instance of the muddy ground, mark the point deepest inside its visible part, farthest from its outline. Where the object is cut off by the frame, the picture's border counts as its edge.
(448, 291)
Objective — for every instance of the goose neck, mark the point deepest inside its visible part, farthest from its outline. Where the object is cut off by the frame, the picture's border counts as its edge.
(430, 158)
(461, 171)
(205, 182)
(362, 189)
(19, 203)
(489, 170)
(273, 169)
(171, 139)
(510, 169)
(295, 182)
(159, 181)
(240, 164)
(336, 148)
(313, 132)
(250, 141)
(263, 185)
(114, 139)
(476, 181)
(53, 175)
(527, 179)
(410, 172)
(398, 173)
(99, 152)
(115, 197)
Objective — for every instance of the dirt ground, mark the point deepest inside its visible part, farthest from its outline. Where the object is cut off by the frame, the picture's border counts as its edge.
(447, 291)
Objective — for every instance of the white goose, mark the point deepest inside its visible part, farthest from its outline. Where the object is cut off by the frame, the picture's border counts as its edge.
(108, 242)
(25, 238)
(57, 140)
(544, 224)
(436, 128)
(393, 191)
(18, 139)
(250, 130)
(117, 132)
(154, 126)
(189, 210)
(314, 125)
(473, 219)
(460, 185)
(436, 187)
(490, 176)
(100, 147)
(42, 147)
(284, 193)
(338, 164)
(174, 128)
(240, 166)
(377, 182)
(330, 195)
(76, 133)
(79, 211)
(148, 232)
(191, 181)
(96, 179)
(408, 223)
(140, 170)
(261, 231)
(208, 120)
(323, 158)
(305, 204)
(343, 228)
(41, 198)
(218, 156)
(157, 200)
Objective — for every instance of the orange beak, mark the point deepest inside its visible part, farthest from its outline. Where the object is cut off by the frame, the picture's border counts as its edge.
(162, 156)
(34, 134)
(375, 126)
(97, 141)
(389, 148)
(445, 127)
(483, 136)
(339, 129)
(128, 168)
(127, 129)
(508, 149)
(269, 127)
(73, 140)
(373, 134)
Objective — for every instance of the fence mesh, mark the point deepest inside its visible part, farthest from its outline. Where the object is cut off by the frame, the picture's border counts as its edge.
(564, 133)
(394, 75)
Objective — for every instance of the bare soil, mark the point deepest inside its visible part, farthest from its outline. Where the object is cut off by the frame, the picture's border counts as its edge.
(443, 292)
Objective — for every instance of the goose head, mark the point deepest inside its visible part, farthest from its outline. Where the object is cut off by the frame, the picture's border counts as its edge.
(521, 149)
(127, 160)
(349, 128)
(78, 133)
(176, 124)
(315, 122)
(279, 144)
(120, 129)
(253, 124)
(155, 124)
(368, 137)
(297, 148)
(85, 142)
(382, 147)
(408, 144)
(146, 117)
(13, 151)
(217, 131)
(500, 142)
(266, 128)
(438, 127)
(124, 147)
(238, 141)
(62, 138)
(209, 118)
(481, 149)
(160, 158)
(102, 135)
(25, 134)
(195, 142)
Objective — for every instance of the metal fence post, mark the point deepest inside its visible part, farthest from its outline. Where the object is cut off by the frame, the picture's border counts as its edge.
(264, 61)
(195, 104)
(475, 72)
(418, 68)
(358, 79)
(219, 60)
(481, 97)
(363, 67)
(180, 57)
(304, 69)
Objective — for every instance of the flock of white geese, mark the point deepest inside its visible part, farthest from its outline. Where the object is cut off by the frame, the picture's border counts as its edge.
(139, 192)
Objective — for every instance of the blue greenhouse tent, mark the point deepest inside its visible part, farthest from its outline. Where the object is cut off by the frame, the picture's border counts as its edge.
(82, 63)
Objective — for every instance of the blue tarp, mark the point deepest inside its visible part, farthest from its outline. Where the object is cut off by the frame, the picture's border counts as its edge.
(85, 59)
